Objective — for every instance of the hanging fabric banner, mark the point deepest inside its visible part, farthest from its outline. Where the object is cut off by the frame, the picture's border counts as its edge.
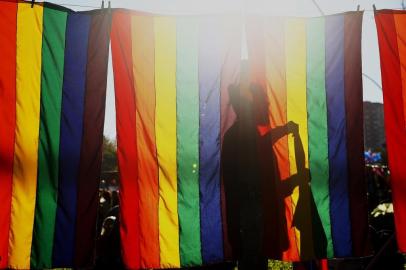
(392, 48)
(170, 78)
(52, 96)
(217, 158)
(310, 72)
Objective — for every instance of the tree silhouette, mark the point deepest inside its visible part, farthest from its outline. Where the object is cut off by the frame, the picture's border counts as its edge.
(109, 155)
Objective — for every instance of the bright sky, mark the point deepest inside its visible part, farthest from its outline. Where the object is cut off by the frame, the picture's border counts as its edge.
(305, 8)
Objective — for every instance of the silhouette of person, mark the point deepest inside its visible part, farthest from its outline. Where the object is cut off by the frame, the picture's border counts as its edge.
(241, 176)
(254, 191)
(254, 209)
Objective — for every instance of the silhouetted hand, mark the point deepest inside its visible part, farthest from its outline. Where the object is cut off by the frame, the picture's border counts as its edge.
(300, 179)
(293, 128)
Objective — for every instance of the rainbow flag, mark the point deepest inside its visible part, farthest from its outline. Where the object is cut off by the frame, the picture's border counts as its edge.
(53, 76)
(311, 72)
(392, 47)
(171, 76)
(174, 77)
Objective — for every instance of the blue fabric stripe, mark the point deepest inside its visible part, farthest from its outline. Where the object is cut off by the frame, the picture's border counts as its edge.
(210, 56)
(339, 201)
(77, 31)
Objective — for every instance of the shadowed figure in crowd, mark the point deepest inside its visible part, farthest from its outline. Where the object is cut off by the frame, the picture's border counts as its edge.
(254, 191)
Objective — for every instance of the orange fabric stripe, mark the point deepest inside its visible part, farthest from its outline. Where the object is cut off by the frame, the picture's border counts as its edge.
(276, 91)
(144, 80)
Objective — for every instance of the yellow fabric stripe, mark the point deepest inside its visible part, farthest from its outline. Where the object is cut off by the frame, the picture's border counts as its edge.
(296, 95)
(165, 128)
(29, 44)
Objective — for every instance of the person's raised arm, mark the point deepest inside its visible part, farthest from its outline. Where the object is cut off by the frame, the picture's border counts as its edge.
(279, 131)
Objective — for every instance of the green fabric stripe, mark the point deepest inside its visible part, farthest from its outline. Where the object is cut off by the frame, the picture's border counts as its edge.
(317, 127)
(53, 46)
(188, 140)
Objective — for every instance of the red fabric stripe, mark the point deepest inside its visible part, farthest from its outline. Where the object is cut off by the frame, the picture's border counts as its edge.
(324, 264)
(400, 22)
(394, 117)
(256, 50)
(126, 138)
(8, 19)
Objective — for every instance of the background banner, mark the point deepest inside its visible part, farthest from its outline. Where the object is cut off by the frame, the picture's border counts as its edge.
(392, 48)
(52, 96)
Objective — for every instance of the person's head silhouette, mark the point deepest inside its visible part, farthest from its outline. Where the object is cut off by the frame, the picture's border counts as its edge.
(250, 103)
(241, 101)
